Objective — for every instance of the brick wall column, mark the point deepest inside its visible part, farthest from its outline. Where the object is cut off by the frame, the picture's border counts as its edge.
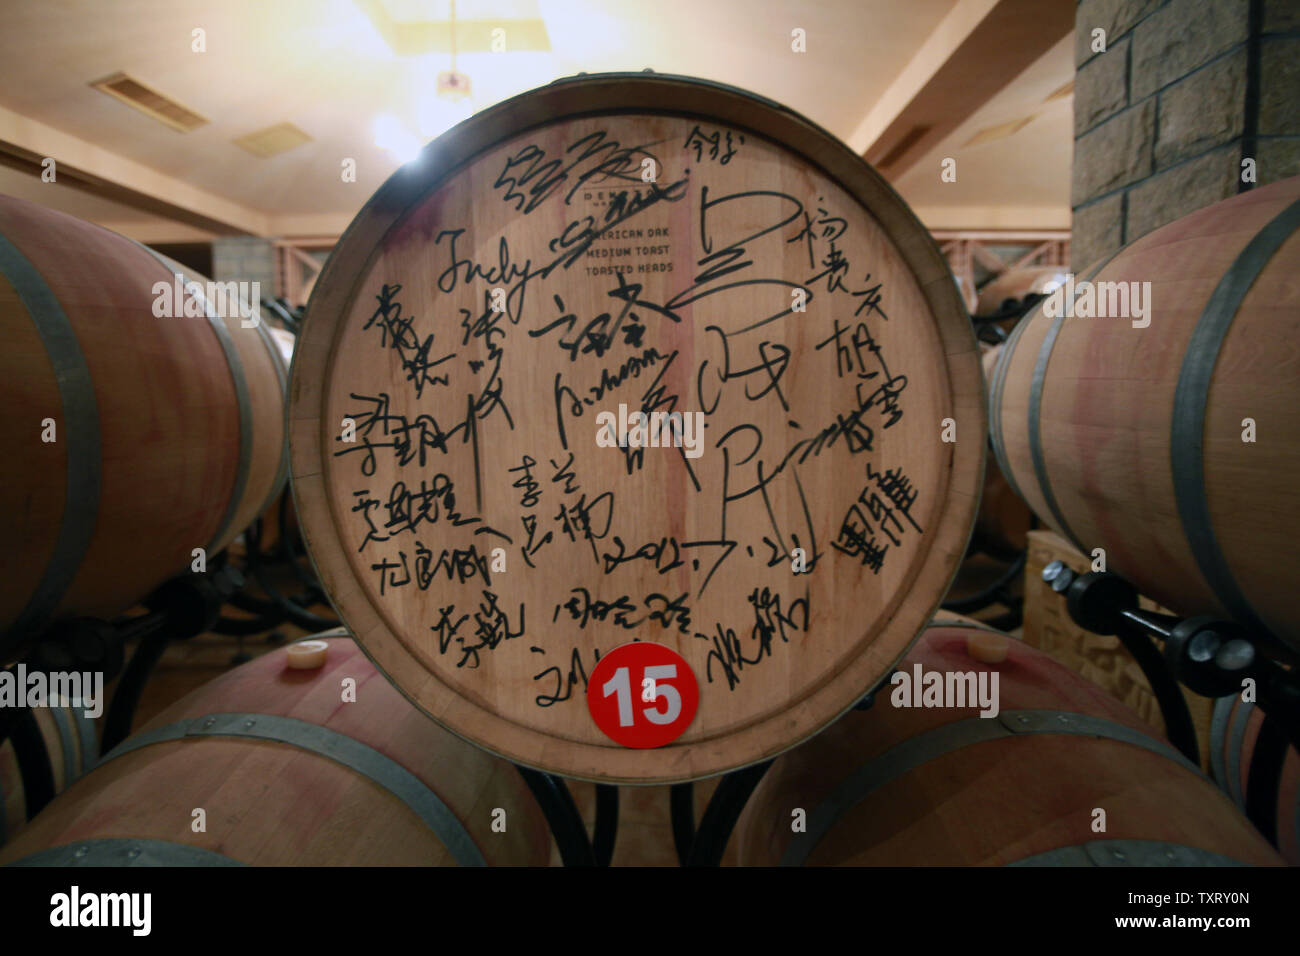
(1163, 118)
(245, 259)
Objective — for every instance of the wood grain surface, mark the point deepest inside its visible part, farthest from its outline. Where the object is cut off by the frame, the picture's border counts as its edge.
(164, 410)
(992, 802)
(766, 285)
(1115, 445)
(270, 803)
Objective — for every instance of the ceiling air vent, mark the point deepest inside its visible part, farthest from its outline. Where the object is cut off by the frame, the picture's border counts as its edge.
(273, 140)
(150, 102)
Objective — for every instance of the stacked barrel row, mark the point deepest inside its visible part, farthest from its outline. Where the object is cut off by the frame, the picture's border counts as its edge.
(791, 298)
(263, 766)
(1165, 436)
(145, 433)
(164, 433)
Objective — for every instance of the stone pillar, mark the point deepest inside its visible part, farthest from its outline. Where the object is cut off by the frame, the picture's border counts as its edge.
(1185, 91)
(245, 259)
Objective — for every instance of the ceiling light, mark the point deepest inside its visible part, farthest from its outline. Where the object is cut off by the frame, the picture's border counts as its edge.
(435, 115)
(392, 136)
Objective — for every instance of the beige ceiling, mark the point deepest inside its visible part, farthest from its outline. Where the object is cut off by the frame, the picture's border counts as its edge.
(1017, 181)
(323, 66)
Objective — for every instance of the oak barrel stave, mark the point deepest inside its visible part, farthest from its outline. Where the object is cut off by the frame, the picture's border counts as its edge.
(271, 801)
(1003, 522)
(169, 430)
(70, 743)
(1131, 439)
(1234, 732)
(996, 801)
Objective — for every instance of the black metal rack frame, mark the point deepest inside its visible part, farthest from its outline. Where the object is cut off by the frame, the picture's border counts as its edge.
(1212, 657)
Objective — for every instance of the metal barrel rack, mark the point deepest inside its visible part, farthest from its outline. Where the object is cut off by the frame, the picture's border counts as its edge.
(1212, 657)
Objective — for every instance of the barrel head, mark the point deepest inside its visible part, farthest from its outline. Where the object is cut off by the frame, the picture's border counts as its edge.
(636, 358)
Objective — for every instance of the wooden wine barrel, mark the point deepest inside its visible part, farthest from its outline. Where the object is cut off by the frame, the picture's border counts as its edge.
(289, 773)
(896, 786)
(1003, 521)
(168, 432)
(70, 743)
(1130, 438)
(1234, 732)
(279, 509)
(727, 261)
(1012, 289)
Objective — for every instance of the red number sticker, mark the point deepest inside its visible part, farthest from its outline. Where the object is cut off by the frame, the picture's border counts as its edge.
(643, 695)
